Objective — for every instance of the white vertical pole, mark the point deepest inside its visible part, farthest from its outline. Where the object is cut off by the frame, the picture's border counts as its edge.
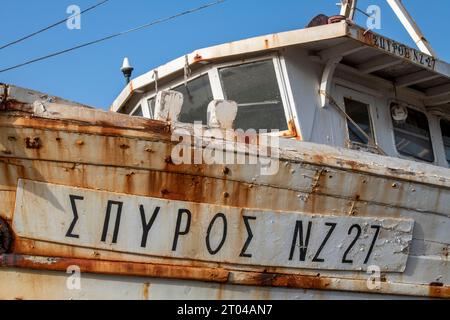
(411, 26)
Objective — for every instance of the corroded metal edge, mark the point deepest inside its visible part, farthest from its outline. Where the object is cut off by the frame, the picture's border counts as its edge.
(222, 276)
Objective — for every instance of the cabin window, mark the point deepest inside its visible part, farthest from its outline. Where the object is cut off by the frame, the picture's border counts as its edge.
(445, 128)
(360, 113)
(412, 136)
(127, 109)
(137, 112)
(197, 96)
(151, 107)
(254, 86)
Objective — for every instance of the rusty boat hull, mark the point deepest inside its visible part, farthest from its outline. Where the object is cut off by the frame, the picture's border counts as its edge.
(56, 143)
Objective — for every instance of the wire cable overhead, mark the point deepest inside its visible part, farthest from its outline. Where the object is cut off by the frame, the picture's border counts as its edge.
(147, 25)
(51, 26)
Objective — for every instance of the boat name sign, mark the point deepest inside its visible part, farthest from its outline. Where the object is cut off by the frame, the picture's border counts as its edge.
(191, 231)
(400, 50)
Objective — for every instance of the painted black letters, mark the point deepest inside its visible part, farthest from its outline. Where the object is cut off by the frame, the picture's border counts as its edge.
(244, 253)
(224, 234)
(303, 243)
(70, 233)
(147, 226)
(108, 217)
(178, 231)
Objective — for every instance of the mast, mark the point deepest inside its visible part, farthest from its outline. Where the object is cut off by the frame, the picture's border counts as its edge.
(411, 26)
(348, 9)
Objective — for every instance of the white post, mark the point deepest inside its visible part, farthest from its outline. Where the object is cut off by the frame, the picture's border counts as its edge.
(168, 106)
(222, 113)
(348, 8)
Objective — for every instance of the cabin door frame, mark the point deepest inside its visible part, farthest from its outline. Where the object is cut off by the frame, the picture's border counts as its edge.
(344, 92)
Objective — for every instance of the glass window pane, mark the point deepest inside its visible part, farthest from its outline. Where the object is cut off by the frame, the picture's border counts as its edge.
(138, 112)
(445, 127)
(359, 112)
(126, 109)
(412, 137)
(197, 96)
(151, 107)
(254, 87)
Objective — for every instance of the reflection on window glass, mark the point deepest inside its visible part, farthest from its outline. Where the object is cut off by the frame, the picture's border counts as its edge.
(126, 109)
(197, 96)
(359, 112)
(137, 112)
(151, 107)
(445, 128)
(254, 87)
(412, 137)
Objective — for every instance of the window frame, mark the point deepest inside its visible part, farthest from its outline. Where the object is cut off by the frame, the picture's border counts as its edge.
(280, 77)
(440, 119)
(361, 97)
(430, 128)
(218, 92)
(139, 105)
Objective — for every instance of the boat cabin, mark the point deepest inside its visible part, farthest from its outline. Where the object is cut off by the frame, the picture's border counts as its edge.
(335, 84)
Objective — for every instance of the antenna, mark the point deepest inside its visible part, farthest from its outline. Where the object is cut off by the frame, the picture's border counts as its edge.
(127, 69)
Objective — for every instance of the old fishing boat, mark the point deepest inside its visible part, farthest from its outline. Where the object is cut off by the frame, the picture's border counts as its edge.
(161, 198)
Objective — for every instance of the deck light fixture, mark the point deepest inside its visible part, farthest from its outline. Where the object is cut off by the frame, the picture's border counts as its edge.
(399, 112)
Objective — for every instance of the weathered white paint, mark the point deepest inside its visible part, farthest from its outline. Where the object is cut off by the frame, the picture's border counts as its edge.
(168, 106)
(348, 8)
(286, 40)
(35, 285)
(213, 233)
(222, 113)
(327, 80)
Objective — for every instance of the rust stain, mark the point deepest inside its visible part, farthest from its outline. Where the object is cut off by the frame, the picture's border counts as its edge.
(146, 290)
(124, 146)
(112, 127)
(198, 58)
(293, 132)
(33, 143)
(4, 97)
(287, 281)
(6, 237)
(438, 290)
(115, 268)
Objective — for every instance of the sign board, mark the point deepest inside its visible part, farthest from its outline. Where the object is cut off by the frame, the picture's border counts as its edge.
(192, 231)
(399, 50)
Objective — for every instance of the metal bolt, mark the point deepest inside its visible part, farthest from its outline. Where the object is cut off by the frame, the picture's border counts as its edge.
(33, 143)
(168, 160)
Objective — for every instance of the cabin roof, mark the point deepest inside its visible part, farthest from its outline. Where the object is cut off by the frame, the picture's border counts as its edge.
(364, 52)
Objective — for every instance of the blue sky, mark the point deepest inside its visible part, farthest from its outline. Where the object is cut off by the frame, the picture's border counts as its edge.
(92, 76)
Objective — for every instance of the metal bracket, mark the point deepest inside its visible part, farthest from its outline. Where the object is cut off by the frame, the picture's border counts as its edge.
(327, 78)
